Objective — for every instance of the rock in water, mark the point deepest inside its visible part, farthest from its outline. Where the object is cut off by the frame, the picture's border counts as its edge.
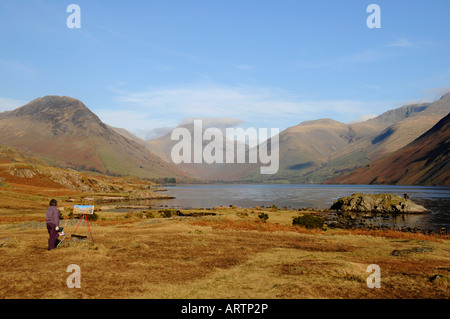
(378, 203)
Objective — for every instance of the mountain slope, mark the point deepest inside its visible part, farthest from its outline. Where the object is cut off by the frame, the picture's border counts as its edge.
(425, 161)
(319, 150)
(64, 132)
(396, 128)
(316, 151)
(213, 172)
(305, 149)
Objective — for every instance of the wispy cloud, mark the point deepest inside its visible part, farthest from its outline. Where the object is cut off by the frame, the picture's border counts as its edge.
(364, 118)
(402, 43)
(361, 57)
(145, 44)
(216, 101)
(153, 133)
(152, 111)
(7, 104)
(437, 93)
(16, 65)
(220, 123)
(245, 67)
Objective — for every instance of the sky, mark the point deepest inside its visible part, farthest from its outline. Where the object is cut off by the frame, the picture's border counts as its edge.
(149, 66)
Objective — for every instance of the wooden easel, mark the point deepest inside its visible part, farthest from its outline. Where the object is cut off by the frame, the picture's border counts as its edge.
(84, 210)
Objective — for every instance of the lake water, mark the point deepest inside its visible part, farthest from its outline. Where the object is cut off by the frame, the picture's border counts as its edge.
(435, 199)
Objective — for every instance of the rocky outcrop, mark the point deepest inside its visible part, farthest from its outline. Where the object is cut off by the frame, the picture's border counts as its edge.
(378, 203)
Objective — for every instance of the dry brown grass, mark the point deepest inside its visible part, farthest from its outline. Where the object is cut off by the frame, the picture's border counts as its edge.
(225, 256)
(393, 234)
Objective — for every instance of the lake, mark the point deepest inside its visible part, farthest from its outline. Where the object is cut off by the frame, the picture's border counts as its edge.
(436, 199)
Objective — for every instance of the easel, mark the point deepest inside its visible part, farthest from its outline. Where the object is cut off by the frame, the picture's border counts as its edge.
(84, 210)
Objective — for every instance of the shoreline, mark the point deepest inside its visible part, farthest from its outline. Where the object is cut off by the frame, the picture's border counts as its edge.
(332, 218)
(364, 223)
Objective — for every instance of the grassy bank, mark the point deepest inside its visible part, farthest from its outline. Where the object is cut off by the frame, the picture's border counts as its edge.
(231, 254)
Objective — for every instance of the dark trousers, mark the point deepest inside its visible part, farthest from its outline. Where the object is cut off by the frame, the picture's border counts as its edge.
(53, 236)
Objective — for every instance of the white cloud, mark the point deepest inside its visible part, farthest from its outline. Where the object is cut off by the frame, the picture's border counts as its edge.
(216, 101)
(136, 122)
(10, 104)
(245, 67)
(364, 118)
(16, 65)
(210, 101)
(429, 95)
(150, 113)
(357, 58)
(402, 43)
(151, 134)
(436, 93)
(220, 123)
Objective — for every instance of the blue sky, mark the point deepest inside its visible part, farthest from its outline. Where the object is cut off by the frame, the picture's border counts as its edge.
(148, 66)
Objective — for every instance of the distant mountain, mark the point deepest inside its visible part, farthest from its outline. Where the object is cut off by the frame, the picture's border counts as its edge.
(211, 172)
(395, 128)
(304, 149)
(425, 161)
(319, 150)
(65, 133)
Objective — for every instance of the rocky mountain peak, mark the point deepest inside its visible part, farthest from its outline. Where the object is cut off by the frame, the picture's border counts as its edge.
(55, 108)
(61, 112)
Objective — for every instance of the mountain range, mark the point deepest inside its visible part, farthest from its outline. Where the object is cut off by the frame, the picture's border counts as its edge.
(65, 133)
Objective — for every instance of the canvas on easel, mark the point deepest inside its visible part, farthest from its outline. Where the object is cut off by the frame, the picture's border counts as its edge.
(83, 210)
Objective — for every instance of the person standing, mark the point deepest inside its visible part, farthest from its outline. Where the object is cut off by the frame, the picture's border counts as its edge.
(52, 220)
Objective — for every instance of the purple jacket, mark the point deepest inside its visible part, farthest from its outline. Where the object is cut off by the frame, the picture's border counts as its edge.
(52, 216)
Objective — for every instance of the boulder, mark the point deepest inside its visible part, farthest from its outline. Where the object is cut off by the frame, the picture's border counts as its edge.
(378, 203)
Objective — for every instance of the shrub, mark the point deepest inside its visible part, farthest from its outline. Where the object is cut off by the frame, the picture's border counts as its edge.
(149, 214)
(263, 216)
(166, 213)
(92, 217)
(309, 221)
(140, 215)
(242, 214)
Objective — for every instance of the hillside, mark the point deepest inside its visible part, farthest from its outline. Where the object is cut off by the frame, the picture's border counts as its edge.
(425, 161)
(65, 133)
(396, 128)
(22, 170)
(212, 172)
(27, 182)
(316, 151)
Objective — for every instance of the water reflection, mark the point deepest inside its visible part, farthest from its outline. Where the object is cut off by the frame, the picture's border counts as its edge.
(436, 199)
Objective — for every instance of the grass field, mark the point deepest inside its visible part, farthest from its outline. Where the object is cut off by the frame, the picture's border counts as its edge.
(229, 255)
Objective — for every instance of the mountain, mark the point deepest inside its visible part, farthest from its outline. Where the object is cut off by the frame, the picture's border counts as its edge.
(425, 161)
(304, 149)
(211, 172)
(319, 150)
(395, 128)
(65, 133)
